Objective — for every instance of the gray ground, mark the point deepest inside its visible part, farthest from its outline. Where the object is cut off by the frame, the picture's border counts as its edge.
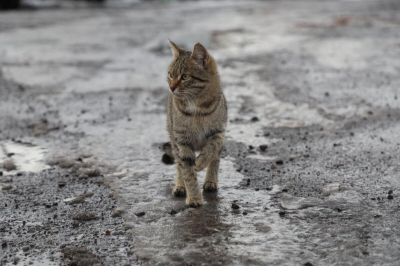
(82, 117)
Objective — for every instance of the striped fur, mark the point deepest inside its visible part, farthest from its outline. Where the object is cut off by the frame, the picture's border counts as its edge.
(197, 115)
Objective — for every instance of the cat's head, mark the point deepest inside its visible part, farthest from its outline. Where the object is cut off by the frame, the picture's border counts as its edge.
(191, 73)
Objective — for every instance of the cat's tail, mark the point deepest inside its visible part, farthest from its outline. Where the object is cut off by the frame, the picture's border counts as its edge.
(168, 157)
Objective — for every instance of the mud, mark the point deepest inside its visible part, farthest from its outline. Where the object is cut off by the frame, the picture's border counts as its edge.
(309, 171)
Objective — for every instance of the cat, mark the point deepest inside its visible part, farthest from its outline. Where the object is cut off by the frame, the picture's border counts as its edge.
(197, 115)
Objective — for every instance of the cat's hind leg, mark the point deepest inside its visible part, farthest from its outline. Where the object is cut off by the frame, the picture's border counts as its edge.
(211, 181)
(179, 189)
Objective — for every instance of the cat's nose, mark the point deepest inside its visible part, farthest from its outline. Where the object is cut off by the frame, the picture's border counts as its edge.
(172, 88)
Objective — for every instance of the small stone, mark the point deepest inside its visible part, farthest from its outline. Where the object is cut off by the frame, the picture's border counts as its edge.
(273, 166)
(167, 159)
(140, 214)
(390, 192)
(173, 212)
(108, 232)
(251, 147)
(11, 154)
(61, 184)
(5, 187)
(280, 162)
(117, 213)
(308, 264)
(85, 216)
(390, 197)
(8, 165)
(263, 147)
(255, 119)
(244, 213)
(25, 249)
(282, 213)
(235, 206)
(4, 244)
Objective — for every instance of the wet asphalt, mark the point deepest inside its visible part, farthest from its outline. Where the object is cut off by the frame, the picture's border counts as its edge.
(310, 170)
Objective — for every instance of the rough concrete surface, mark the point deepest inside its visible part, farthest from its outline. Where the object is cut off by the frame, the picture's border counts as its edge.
(310, 170)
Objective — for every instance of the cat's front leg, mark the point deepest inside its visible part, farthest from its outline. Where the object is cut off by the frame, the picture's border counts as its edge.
(186, 162)
(210, 152)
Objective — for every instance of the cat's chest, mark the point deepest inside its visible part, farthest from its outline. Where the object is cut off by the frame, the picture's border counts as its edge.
(195, 129)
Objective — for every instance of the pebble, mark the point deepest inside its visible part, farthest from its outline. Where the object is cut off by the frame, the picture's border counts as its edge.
(9, 165)
(140, 214)
(173, 212)
(263, 147)
(282, 213)
(25, 249)
(235, 206)
(4, 244)
(280, 162)
(255, 119)
(85, 216)
(308, 264)
(390, 192)
(390, 197)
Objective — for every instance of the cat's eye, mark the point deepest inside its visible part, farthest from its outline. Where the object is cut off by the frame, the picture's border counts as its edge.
(185, 76)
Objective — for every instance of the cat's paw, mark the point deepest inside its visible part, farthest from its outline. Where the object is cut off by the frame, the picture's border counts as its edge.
(210, 187)
(201, 162)
(179, 191)
(194, 201)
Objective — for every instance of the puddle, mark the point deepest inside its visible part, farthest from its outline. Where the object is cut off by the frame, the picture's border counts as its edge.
(26, 157)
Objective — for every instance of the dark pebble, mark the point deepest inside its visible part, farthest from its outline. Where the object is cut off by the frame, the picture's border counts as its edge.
(61, 184)
(285, 190)
(280, 162)
(255, 119)
(308, 264)
(173, 212)
(108, 232)
(390, 197)
(339, 210)
(140, 214)
(244, 213)
(1, 173)
(48, 206)
(251, 147)
(282, 213)
(248, 182)
(235, 206)
(263, 147)
(10, 154)
(4, 244)
(167, 159)
(390, 192)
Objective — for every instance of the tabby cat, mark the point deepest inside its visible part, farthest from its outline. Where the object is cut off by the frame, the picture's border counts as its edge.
(197, 114)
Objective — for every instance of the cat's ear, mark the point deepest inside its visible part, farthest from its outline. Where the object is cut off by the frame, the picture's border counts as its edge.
(176, 50)
(200, 55)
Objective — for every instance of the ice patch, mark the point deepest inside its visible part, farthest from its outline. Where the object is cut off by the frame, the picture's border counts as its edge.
(25, 156)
